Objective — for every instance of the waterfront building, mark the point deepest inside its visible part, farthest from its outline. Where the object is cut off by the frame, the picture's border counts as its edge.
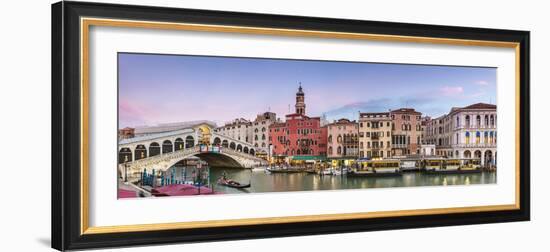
(343, 140)
(427, 150)
(240, 129)
(375, 135)
(300, 136)
(466, 132)
(260, 129)
(406, 132)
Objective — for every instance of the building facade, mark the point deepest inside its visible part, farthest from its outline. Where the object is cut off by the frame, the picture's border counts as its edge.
(343, 139)
(375, 135)
(126, 133)
(240, 129)
(467, 132)
(299, 135)
(260, 129)
(406, 131)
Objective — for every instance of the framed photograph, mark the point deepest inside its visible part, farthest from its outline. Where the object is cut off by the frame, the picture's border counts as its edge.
(180, 125)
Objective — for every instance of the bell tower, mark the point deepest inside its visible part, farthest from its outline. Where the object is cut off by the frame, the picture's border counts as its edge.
(300, 101)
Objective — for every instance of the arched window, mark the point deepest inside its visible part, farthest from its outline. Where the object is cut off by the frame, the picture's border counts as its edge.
(468, 121)
(178, 144)
(478, 121)
(189, 142)
(478, 137)
(492, 121)
(330, 138)
(263, 129)
(154, 149)
(140, 152)
(486, 121)
(467, 137)
(485, 137)
(263, 136)
(167, 146)
(124, 155)
(339, 139)
(339, 150)
(457, 121)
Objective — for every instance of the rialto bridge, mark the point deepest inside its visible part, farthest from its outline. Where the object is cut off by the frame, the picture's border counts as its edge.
(163, 150)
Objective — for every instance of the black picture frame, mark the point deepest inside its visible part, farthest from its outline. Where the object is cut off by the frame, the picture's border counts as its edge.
(66, 124)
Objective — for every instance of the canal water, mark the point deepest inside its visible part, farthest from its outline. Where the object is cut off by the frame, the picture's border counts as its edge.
(281, 182)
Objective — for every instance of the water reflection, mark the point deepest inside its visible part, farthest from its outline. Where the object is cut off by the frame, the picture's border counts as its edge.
(279, 182)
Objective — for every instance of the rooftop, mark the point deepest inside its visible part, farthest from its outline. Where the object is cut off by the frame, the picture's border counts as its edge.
(406, 111)
(481, 106)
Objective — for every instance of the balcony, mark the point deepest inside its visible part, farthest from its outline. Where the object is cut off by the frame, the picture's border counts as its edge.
(474, 145)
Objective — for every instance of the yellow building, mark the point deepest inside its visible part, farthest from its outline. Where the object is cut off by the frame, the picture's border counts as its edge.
(375, 135)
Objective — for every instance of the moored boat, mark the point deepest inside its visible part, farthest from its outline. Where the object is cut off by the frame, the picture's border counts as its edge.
(373, 174)
(377, 168)
(285, 170)
(451, 166)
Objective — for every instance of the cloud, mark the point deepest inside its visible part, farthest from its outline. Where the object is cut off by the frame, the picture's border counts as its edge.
(132, 113)
(451, 91)
(351, 110)
(482, 82)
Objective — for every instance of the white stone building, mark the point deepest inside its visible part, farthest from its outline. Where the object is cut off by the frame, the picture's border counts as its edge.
(260, 129)
(240, 129)
(468, 132)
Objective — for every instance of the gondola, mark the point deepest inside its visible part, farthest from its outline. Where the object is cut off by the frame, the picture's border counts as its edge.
(232, 183)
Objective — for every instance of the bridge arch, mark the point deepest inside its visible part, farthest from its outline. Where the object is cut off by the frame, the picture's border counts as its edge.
(124, 155)
(178, 144)
(245, 150)
(232, 145)
(213, 160)
(154, 149)
(140, 152)
(167, 146)
(252, 152)
(239, 148)
(189, 142)
(225, 143)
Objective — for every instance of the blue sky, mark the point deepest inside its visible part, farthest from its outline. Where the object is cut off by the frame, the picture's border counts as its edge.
(173, 88)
